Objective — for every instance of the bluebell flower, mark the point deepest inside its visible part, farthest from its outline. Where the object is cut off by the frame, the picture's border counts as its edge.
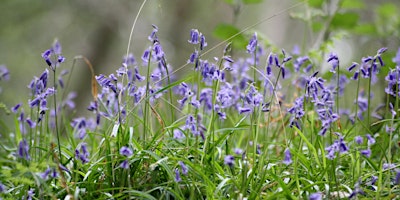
(82, 153)
(4, 73)
(191, 124)
(53, 55)
(397, 177)
(23, 150)
(387, 166)
(205, 98)
(126, 151)
(15, 108)
(334, 61)
(153, 36)
(357, 190)
(158, 51)
(396, 59)
(314, 85)
(52, 172)
(229, 160)
(178, 134)
(184, 168)
(194, 36)
(203, 42)
(125, 164)
(358, 139)
(146, 56)
(2, 188)
(31, 193)
(129, 60)
(288, 157)
(300, 62)
(193, 57)
(251, 47)
(238, 151)
(338, 146)
(297, 112)
(177, 176)
(371, 139)
(366, 152)
(315, 196)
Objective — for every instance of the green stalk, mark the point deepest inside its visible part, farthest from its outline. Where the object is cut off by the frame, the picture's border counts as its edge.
(337, 89)
(55, 114)
(369, 97)
(146, 104)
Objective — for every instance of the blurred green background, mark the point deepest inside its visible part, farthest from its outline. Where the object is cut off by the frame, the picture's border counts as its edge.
(99, 30)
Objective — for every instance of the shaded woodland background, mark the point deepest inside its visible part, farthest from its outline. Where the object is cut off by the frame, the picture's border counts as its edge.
(99, 30)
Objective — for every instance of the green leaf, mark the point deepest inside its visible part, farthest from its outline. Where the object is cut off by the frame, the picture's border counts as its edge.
(251, 1)
(352, 4)
(231, 33)
(365, 29)
(315, 3)
(387, 10)
(346, 20)
(317, 26)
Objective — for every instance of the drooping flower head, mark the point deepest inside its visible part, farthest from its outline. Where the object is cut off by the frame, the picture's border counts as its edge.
(53, 55)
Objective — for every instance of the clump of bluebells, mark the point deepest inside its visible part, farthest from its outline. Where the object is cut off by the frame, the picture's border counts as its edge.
(232, 128)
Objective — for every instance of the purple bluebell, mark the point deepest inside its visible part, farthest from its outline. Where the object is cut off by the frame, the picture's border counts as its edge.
(397, 177)
(153, 36)
(390, 129)
(194, 36)
(129, 60)
(357, 190)
(387, 166)
(82, 153)
(238, 151)
(184, 168)
(338, 146)
(251, 47)
(288, 157)
(53, 55)
(178, 134)
(52, 172)
(393, 82)
(68, 101)
(191, 124)
(205, 98)
(203, 42)
(124, 164)
(300, 62)
(16, 108)
(371, 139)
(366, 152)
(229, 160)
(315, 196)
(79, 124)
(146, 56)
(358, 139)
(177, 176)
(30, 123)
(193, 57)
(4, 73)
(2, 188)
(23, 150)
(314, 85)
(126, 151)
(396, 59)
(158, 51)
(297, 112)
(334, 61)
(31, 193)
